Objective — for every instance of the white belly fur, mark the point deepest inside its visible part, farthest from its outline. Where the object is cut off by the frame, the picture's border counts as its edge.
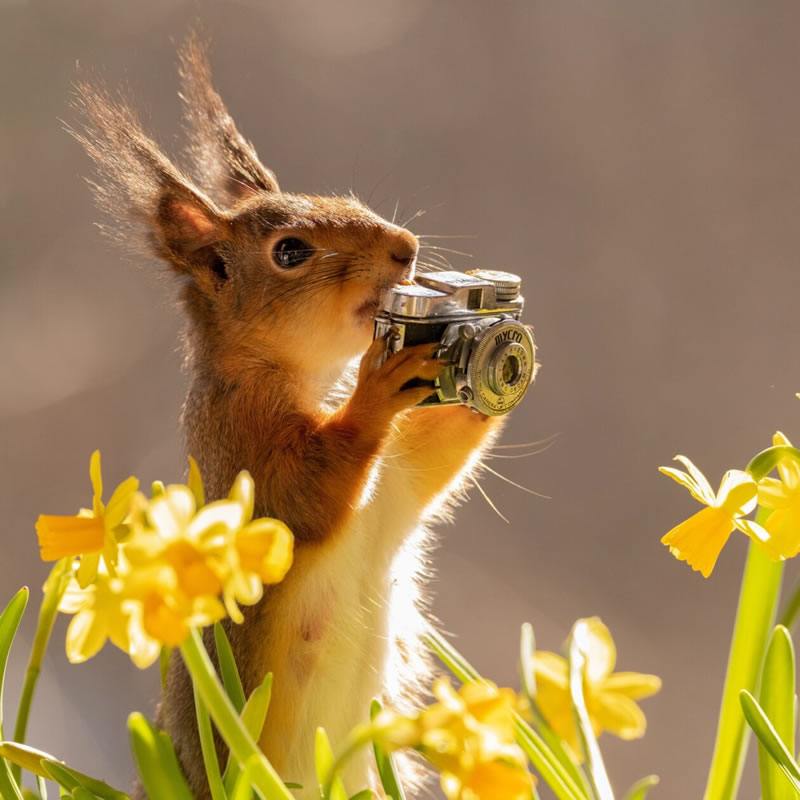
(365, 589)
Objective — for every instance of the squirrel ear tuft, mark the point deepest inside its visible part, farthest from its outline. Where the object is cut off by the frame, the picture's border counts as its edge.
(150, 205)
(225, 163)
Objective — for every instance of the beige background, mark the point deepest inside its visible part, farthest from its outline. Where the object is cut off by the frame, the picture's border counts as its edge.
(636, 162)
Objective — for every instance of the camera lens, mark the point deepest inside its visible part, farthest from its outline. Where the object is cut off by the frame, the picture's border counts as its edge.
(511, 370)
(500, 365)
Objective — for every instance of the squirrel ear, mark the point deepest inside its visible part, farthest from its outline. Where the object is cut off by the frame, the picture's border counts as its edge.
(149, 204)
(226, 164)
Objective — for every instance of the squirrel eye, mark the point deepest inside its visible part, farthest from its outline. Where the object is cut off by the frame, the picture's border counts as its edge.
(291, 252)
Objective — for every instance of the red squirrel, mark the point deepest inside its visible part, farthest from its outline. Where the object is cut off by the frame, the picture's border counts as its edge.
(279, 291)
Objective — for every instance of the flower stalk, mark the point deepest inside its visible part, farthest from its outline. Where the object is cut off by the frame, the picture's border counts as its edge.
(754, 618)
(53, 592)
(243, 747)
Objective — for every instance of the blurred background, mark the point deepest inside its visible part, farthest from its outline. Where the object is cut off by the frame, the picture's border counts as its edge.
(636, 162)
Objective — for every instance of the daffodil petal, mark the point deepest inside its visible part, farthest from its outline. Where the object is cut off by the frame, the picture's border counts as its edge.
(632, 684)
(737, 492)
(699, 540)
(703, 486)
(86, 634)
(783, 527)
(619, 715)
(243, 492)
(551, 668)
(788, 469)
(96, 477)
(688, 483)
(772, 493)
(599, 649)
(221, 515)
(119, 505)
(172, 511)
(87, 571)
(774, 548)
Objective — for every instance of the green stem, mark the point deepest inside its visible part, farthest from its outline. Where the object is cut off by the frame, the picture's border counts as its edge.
(359, 737)
(210, 759)
(54, 589)
(789, 616)
(242, 746)
(757, 602)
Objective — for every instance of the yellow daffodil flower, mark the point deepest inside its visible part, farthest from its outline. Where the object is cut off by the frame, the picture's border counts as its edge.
(783, 497)
(178, 558)
(92, 533)
(609, 695)
(699, 540)
(468, 736)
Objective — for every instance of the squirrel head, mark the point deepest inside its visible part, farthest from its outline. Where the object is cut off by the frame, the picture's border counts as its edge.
(269, 278)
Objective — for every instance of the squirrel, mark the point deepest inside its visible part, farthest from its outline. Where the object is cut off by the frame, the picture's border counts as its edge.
(279, 292)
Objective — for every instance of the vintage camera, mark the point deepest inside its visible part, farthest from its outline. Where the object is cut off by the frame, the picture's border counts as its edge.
(475, 318)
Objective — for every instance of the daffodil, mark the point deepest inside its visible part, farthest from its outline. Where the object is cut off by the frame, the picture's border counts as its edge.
(699, 540)
(610, 696)
(91, 534)
(180, 557)
(783, 497)
(468, 735)
(262, 552)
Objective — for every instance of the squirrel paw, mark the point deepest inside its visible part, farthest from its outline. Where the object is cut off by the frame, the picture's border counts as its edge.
(384, 385)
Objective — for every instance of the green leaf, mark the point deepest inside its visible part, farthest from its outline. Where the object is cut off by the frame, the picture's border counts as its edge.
(527, 649)
(9, 790)
(640, 789)
(323, 761)
(45, 766)
(208, 749)
(243, 788)
(227, 667)
(79, 793)
(385, 762)
(764, 730)
(364, 794)
(42, 785)
(156, 760)
(777, 698)
(599, 785)
(541, 757)
(9, 623)
(758, 598)
(253, 716)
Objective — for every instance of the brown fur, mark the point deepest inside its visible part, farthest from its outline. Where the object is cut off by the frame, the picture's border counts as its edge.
(262, 345)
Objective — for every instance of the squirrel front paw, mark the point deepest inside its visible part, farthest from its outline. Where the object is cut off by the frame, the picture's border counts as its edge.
(383, 388)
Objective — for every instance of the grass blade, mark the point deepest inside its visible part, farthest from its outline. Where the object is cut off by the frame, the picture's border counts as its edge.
(386, 771)
(253, 715)
(767, 736)
(9, 623)
(640, 789)
(777, 698)
(323, 762)
(156, 761)
(228, 669)
(209, 749)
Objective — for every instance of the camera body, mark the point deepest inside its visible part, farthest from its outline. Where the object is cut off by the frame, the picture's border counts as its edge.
(475, 318)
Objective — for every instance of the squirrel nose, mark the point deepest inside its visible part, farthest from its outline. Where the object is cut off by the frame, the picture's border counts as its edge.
(404, 248)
